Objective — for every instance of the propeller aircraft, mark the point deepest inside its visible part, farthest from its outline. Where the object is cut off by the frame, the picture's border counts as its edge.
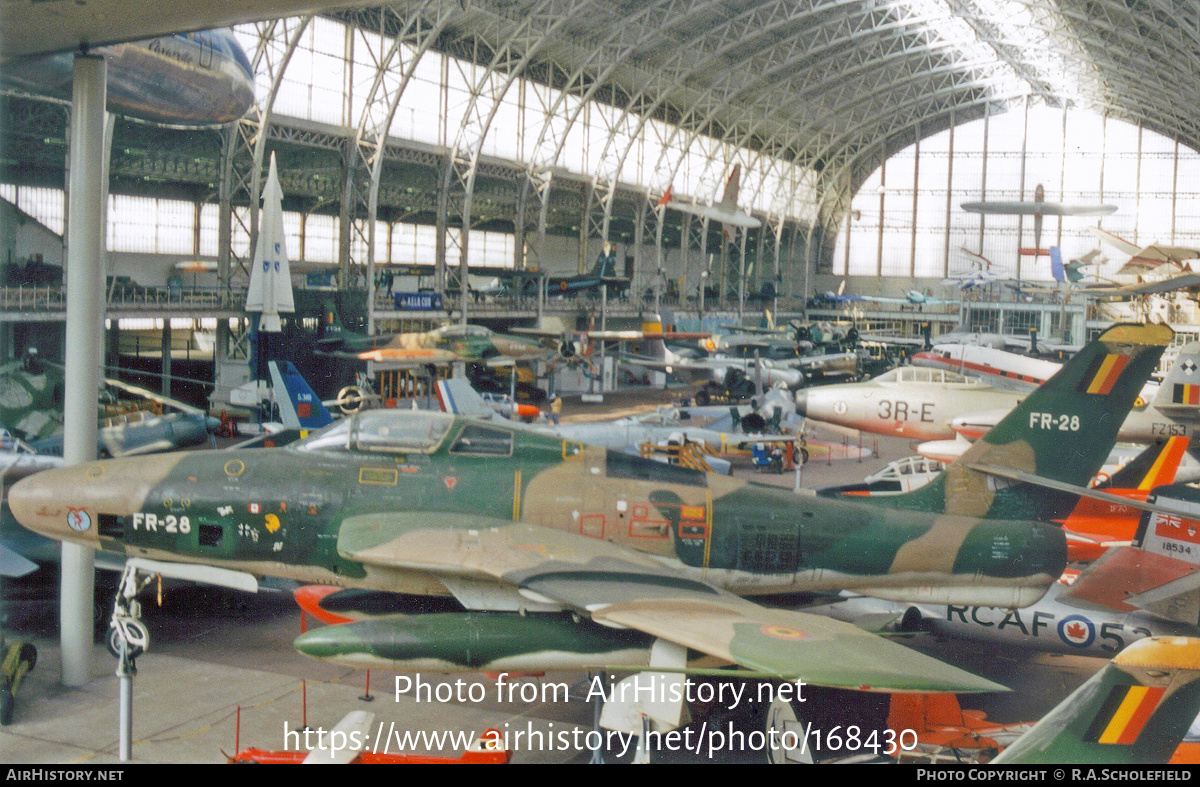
(726, 211)
(1038, 208)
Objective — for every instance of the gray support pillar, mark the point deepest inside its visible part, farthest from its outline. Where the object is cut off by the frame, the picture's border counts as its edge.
(1021, 195)
(949, 201)
(660, 218)
(85, 323)
(346, 223)
(441, 223)
(983, 173)
(166, 356)
(582, 253)
(639, 237)
(742, 275)
(114, 343)
(879, 237)
(916, 193)
(6, 341)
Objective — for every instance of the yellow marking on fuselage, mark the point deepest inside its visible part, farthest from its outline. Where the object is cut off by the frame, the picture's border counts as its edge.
(383, 476)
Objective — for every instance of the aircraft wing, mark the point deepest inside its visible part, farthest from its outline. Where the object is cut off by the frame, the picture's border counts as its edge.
(915, 341)
(619, 586)
(154, 396)
(1163, 507)
(682, 365)
(13, 564)
(1034, 208)
(1155, 255)
(33, 27)
(1181, 282)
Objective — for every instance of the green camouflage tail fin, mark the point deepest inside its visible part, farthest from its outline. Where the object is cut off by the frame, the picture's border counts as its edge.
(1062, 432)
(1179, 395)
(1155, 466)
(1134, 711)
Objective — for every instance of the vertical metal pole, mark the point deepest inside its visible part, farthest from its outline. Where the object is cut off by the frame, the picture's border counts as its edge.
(166, 356)
(949, 200)
(603, 328)
(659, 221)
(912, 249)
(541, 302)
(742, 276)
(882, 205)
(1021, 194)
(983, 173)
(125, 673)
(84, 329)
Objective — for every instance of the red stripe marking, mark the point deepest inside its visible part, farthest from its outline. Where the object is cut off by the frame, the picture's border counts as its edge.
(1113, 374)
(1140, 716)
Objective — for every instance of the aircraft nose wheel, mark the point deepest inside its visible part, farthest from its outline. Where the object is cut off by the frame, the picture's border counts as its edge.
(128, 636)
(135, 635)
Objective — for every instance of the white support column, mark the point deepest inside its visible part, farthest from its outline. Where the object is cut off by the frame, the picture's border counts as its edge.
(85, 321)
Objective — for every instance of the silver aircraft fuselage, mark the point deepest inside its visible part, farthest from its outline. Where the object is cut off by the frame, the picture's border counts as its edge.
(189, 79)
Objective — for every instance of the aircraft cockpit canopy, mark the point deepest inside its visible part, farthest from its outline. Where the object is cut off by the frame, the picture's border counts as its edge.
(921, 374)
(909, 466)
(452, 331)
(386, 431)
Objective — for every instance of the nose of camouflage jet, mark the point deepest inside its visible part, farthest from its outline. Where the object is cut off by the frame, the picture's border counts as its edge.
(76, 503)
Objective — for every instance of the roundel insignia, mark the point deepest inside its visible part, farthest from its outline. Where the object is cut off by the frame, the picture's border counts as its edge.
(839, 408)
(78, 519)
(782, 632)
(234, 468)
(1077, 631)
(94, 471)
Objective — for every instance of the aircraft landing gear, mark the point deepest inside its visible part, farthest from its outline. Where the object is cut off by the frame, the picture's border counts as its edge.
(128, 636)
(127, 639)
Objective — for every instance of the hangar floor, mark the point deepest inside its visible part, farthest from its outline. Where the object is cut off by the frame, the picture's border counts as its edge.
(214, 652)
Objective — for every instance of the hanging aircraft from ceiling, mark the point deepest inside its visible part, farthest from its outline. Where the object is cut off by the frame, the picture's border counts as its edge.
(201, 78)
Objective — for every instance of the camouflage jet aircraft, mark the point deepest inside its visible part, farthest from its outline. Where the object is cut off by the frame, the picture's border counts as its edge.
(440, 345)
(31, 409)
(605, 552)
(1135, 710)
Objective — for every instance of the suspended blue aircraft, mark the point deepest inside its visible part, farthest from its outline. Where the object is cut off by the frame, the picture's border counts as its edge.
(189, 79)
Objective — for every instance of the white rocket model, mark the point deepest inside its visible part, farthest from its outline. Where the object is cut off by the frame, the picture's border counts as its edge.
(270, 276)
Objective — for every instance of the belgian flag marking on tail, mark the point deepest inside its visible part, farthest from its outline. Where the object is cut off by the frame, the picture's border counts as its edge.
(1185, 394)
(1103, 373)
(1124, 714)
